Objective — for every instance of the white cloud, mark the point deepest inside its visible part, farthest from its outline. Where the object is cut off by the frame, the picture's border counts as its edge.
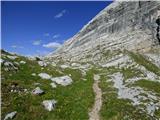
(36, 42)
(16, 46)
(56, 36)
(59, 15)
(53, 45)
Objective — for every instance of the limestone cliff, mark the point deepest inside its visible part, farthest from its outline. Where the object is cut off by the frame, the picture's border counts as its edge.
(121, 25)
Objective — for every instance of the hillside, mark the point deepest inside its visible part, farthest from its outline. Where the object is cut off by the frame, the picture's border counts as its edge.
(129, 84)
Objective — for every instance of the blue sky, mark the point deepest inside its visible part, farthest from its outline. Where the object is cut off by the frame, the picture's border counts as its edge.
(37, 28)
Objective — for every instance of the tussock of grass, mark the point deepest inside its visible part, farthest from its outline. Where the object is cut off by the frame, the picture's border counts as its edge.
(146, 63)
(149, 85)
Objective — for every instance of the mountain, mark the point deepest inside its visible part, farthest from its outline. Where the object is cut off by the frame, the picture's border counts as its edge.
(121, 25)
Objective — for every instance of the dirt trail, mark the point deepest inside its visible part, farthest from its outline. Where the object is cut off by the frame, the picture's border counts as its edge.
(94, 113)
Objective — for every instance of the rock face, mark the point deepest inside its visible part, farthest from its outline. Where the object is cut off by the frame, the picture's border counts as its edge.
(121, 25)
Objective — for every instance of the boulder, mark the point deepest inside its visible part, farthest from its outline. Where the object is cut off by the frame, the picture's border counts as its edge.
(44, 76)
(10, 115)
(22, 62)
(42, 63)
(64, 80)
(49, 104)
(37, 91)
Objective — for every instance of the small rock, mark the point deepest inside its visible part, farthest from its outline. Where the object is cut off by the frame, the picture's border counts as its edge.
(8, 64)
(12, 57)
(1, 60)
(22, 62)
(15, 91)
(25, 90)
(37, 91)
(10, 115)
(44, 76)
(64, 66)
(53, 85)
(49, 104)
(53, 64)
(33, 74)
(42, 63)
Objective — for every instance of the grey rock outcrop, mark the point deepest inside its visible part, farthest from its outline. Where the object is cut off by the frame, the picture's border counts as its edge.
(121, 25)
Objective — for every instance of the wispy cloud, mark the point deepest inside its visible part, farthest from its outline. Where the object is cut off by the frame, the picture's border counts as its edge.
(46, 34)
(36, 42)
(56, 36)
(53, 45)
(59, 15)
(16, 46)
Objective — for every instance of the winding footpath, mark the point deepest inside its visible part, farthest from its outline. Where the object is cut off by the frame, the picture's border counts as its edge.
(94, 113)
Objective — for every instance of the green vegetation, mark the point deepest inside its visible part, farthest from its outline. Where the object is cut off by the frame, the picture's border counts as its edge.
(130, 73)
(149, 85)
(73, 101)
(146, 63)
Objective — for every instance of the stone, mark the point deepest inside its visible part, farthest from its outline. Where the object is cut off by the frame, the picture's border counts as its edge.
(8, 64)
(64, 80)
(33, 74)
(25, 90)
(1, 60)
(22, 62)
(64, 66)
(42, 63)
(44, 76)
(12, 57)
(37, 91)
(49, 104)
(53, 64)
(53, 85)
(10, 115)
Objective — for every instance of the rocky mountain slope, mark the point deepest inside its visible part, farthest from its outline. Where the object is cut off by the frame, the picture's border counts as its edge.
(121, 25)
